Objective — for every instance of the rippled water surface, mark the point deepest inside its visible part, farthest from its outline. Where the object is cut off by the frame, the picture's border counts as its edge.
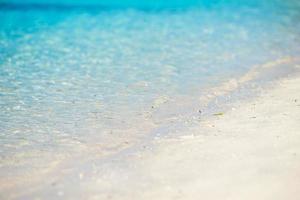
(95, 76)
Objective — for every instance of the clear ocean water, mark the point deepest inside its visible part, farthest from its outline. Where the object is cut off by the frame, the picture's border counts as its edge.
(95, 76)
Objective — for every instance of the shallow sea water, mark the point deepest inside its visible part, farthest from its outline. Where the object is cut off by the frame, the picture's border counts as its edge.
(83, 79)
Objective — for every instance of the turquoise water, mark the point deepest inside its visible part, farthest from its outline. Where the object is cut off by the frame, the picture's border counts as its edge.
(93, 76)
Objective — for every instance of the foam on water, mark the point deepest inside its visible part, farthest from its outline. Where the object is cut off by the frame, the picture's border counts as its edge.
(97, 79)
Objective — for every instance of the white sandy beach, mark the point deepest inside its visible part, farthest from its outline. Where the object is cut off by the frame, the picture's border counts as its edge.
(249, 152)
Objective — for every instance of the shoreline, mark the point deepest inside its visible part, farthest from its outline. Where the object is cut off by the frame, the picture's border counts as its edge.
(214, 100)
(242, 154)
(250, 152)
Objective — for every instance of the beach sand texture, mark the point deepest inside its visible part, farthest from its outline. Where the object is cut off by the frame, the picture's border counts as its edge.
(251, 151)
